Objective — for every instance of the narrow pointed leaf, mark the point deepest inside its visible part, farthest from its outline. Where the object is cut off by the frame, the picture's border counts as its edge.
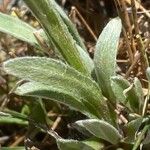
(23, 31)
(54, 93)
(125, 93)
(61, 94)
(71, 27)
(105, 55)
(59, 76)
(139, 92)
(58, 32)
(41, 116)
(131, 129)
(14, 114)
(12, 120)
(101, 129)
(17, 28)
(119, 84)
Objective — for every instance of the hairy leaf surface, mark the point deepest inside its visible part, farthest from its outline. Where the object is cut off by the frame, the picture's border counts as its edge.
(58, 32)
(101, 129)
(125, 93)
(105, 55)
(131, 129)
(72, 145)
(17, 28)
(139, 93)
(71, 27)
(47, 74)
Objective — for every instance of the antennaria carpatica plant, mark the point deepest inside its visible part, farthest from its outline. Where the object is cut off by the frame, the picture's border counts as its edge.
(70, 81)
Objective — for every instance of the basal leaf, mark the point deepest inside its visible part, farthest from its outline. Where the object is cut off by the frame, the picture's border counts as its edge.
(73, 145)
(131, 130)
(71, 27)
(94, 143)
(105, 55)
(81, 129)
(101, 129)
(125, 93)
(54, 93)
(139, 92)
(17, 28)
(58, 32)
(41, 116)
(61, 78)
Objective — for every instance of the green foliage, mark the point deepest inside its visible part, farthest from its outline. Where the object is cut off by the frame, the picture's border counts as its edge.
(72, 144)
(57, 32)
(139, 92)
(105, 56)
(11, 120)
(71, 27)
(89, 144)
(71, 83)
(41, 116)
(131, 130)
(101, 129)
(55, 80)
(125, 93)
(17, 28)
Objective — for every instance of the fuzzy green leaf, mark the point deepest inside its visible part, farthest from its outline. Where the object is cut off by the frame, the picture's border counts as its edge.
(139, 92)
(71, 27)
(11, 120)
(77, 145)
(41, 116)
(58, 32)
(36, 89)
(76, 100)
(94, 143)
(17, 28)
(54, 76)
(125, 93)
(101, 129)
(81, 129)
(105, 55)
(131, 129)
